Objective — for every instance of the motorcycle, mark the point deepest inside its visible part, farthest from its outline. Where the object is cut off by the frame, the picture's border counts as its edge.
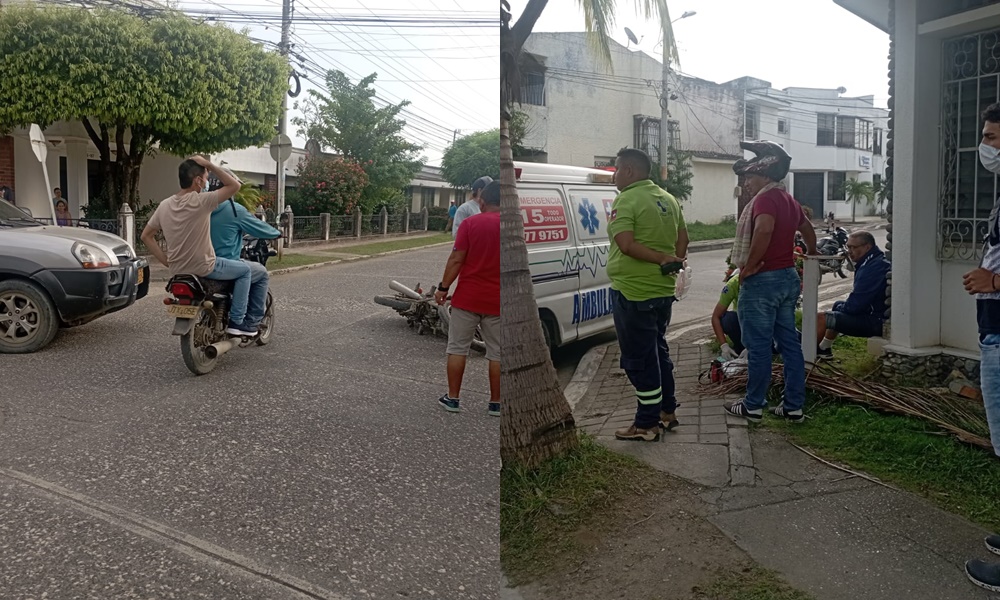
(200, 308)
(422, 311)
(834, 245)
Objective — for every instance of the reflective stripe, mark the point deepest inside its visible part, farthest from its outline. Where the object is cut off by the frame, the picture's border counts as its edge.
(650, 397)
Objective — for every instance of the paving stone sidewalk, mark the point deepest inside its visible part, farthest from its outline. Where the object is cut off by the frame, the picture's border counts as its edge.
(610, 404)
(830, 533)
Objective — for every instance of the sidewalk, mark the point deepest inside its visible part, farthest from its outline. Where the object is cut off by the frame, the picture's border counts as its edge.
(834, 535)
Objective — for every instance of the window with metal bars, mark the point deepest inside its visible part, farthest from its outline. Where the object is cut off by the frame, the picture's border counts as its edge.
(533, 88)
(646, 136)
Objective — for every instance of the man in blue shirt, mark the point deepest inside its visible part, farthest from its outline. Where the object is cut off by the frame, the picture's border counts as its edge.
(863, 313)
(230, 220)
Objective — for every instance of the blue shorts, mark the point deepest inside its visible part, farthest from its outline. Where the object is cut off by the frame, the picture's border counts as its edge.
(854, 325)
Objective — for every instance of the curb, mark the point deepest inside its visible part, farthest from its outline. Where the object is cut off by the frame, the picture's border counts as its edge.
(709, 245)
(584, 375)
(287, 270)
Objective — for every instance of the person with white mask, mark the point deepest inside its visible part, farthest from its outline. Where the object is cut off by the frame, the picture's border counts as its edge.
(984, 283)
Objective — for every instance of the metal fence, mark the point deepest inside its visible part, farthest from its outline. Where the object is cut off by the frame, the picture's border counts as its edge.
(397, 223)
(416, 221)
(308, 228)
(108, 225)
(342, 226)
(140, 246)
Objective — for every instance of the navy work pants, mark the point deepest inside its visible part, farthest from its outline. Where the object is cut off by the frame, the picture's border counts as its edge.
(642, 329)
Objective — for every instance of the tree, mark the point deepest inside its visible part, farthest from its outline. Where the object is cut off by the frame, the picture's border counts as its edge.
(471, 157)
(536, 423)
(520, 127)
(330, 185)
(137, 84)
(855, 191)
(679, 175)
(348, 121)
(882, 189)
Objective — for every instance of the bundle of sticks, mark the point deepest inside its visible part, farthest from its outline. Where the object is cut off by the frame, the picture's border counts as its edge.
(962, 417)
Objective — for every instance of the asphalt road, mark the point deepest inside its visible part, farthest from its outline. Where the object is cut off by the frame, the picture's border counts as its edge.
(319, 466)
(709, 268)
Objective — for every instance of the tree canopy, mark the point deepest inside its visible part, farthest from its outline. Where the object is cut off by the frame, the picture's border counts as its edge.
(162, 79)
(347, 121)
(471, 157)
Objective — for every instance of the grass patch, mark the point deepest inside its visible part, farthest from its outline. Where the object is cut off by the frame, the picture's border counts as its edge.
(851, 354)
(907, 452)
(752, 584)
(295, 260)
(541, 510)
(699, 232)
(391, 245)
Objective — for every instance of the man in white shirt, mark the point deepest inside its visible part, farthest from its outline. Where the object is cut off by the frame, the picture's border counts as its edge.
(473, 206)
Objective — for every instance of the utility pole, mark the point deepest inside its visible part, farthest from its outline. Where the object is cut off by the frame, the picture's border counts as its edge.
(664, 115)
(454, 135)
(286, 25)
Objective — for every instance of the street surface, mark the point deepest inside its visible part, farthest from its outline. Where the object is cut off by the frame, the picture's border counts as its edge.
(697, 306)
(319, 466)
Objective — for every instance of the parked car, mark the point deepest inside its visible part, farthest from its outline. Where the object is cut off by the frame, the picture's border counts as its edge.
(52, 277)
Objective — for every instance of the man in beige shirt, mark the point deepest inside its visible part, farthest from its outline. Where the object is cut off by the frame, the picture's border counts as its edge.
(186, 222)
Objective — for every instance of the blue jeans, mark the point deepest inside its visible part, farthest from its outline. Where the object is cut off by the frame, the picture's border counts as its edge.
(989, 378)
(767, 312)
(258, 292)
(238, 272)
(642, 330)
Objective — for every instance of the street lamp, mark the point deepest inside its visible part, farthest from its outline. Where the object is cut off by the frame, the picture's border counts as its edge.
(664, 100)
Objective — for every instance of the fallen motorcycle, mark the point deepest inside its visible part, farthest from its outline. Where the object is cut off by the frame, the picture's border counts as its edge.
(422, 311)
(200, 308)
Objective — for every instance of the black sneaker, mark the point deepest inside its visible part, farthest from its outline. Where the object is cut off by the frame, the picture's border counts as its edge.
(449, 404)
(241, 329)
(494, 409)
(739, 409)
(993, 543)
(822, 354)
(985, 575)
(792, 416)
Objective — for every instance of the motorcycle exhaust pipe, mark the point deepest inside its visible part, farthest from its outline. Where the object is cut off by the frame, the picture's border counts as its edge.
(402, 289)
(219, 348)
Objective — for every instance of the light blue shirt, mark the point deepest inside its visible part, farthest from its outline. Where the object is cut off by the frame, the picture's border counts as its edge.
(228, 229)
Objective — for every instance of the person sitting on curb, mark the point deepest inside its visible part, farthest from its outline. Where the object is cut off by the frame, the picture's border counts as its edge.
(862, 314)
(726, 322)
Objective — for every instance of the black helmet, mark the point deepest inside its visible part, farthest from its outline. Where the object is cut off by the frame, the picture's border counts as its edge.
(771, 161)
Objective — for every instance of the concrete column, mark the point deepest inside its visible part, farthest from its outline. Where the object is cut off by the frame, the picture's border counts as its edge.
(384, 217)
(357, 223)
(77, 181)
(324, 224)
(406, 220)
(126, 224)
(916, 314)
(425, 215)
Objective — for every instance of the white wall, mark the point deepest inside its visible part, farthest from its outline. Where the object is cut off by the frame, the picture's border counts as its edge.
(158, 180)
(712, 198)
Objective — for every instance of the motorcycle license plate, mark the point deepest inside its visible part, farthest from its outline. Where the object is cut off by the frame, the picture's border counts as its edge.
(183, 312)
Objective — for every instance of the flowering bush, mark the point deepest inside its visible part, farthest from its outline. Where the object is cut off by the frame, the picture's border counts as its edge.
(330, 185)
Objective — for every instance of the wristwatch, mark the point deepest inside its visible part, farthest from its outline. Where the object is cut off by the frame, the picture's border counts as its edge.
(442, 287)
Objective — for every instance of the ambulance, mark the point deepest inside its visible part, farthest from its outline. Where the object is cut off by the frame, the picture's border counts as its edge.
(565, 211)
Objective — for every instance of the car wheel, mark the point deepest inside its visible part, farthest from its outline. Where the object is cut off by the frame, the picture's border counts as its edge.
(28, 319)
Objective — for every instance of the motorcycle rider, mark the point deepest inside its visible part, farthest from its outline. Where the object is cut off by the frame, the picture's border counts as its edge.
(185, 220)
(230, 221)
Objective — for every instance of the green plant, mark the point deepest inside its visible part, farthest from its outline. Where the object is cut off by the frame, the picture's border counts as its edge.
(251, 196)
(856, 191)
(679, 175)
(329, 185)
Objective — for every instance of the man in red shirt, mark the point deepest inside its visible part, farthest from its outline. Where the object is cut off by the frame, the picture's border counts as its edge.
(769, 284)
(475, 261)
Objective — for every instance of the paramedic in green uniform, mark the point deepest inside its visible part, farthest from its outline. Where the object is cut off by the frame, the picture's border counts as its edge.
(725, 322)
(647, 230)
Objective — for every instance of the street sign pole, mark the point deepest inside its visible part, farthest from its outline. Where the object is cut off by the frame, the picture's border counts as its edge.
(281, 150)
(41, 152)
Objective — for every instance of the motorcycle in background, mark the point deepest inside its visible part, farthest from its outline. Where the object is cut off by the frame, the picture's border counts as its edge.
(200, 308)
(422, 311)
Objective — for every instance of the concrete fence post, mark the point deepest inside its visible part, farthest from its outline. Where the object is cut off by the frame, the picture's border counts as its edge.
(357, 222)
(425, 215)
(126, 224)
(384, 219)
(406, 220)
(324, 225)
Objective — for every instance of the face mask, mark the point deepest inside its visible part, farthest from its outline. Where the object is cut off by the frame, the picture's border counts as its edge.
(990, 158)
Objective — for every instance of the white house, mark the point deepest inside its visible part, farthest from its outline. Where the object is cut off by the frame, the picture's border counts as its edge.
(831, 139)
(582, 113)
(944, 71)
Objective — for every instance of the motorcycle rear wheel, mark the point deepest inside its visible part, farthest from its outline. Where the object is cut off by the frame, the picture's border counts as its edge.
(393, 302)
(193, 344)
(267, 323)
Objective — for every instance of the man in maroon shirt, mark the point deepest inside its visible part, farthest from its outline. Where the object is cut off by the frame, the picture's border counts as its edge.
(769, 283)
(475, 261)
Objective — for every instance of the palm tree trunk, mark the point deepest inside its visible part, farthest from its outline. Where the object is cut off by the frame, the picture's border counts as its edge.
(536, 423)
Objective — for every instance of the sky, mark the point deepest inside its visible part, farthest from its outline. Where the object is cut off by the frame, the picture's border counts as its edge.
(790, 43)
(450, 74)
